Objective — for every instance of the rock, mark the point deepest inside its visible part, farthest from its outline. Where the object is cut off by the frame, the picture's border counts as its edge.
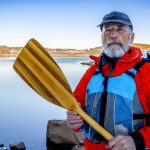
(80, 137)
(78, 147)
(90, 63)
(60, 136)
(2, 147)
(17, 146)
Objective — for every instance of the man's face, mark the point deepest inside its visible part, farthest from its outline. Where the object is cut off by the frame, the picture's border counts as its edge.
(116, 38)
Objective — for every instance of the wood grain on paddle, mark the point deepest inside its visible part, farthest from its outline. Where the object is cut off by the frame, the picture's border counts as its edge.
(38, 69)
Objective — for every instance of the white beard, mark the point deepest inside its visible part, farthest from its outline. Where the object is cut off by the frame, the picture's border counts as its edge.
(116, 50)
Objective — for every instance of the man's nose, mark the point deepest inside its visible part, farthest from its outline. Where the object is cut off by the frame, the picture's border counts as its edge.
(113, 34)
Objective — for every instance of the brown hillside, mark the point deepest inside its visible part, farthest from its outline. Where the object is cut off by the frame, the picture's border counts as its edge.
(143, 47)
(6, 51)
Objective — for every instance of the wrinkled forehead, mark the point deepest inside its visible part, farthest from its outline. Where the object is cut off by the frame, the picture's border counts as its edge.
(114, 24)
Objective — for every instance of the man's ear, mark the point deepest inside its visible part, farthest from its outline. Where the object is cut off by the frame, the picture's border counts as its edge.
(132, 37)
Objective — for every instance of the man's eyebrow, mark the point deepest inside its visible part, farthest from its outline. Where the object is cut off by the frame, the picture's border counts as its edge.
(121, 25)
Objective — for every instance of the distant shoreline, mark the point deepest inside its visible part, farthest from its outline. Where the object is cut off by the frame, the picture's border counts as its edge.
(59, 56)
(62, 54)
(14, 51)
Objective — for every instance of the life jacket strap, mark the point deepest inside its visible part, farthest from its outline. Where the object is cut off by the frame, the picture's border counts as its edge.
(141, 63)
(142, 116)
(137, 67)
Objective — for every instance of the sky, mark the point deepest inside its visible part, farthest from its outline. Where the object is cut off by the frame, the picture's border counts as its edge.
(67, 23)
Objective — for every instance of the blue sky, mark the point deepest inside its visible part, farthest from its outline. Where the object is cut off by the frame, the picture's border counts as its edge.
(67, 23)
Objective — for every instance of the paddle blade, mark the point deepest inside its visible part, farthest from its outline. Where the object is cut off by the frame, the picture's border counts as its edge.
(38, 69)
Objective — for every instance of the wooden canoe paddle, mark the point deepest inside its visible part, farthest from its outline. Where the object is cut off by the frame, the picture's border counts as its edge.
(38, 69)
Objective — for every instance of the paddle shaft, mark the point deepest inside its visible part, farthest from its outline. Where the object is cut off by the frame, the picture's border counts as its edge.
(94, 124)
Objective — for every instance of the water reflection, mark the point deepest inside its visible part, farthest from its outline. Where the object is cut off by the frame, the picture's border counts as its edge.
(24, 114)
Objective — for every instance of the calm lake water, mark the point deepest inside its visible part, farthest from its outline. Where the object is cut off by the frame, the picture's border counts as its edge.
(23, 113)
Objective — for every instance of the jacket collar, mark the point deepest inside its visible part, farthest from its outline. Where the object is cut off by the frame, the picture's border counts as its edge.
(131, 54)
(121, 65)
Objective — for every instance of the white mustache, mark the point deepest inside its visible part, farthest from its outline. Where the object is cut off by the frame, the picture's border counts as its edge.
(111, 43)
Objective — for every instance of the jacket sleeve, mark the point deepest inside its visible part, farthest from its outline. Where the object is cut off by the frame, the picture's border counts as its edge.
(142, 137)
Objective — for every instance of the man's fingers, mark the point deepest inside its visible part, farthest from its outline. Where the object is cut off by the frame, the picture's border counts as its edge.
(114, 141)
(76, 121)
(122, 143)
(73, 117)
(76, 125)
(71, 112)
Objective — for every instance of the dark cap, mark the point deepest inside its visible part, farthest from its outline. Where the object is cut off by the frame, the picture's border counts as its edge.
(116, 16)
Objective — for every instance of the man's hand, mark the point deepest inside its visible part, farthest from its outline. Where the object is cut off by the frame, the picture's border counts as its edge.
(74, 121)
(122, 143)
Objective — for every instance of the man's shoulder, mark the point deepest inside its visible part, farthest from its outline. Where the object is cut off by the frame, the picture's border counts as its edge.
(144, 69)
(144, 63)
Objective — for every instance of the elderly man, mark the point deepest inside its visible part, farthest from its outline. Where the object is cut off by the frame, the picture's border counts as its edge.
(115, 91)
